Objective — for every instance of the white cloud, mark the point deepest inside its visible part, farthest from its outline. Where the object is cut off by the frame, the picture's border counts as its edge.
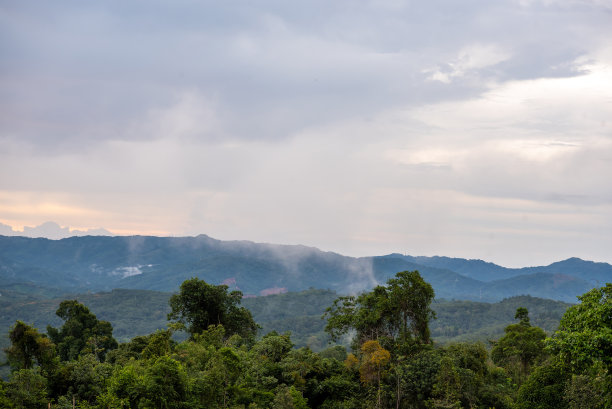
(51, 230)
(127, 271)
(469, 60)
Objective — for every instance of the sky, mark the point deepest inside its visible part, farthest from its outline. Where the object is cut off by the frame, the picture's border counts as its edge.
(477, 129)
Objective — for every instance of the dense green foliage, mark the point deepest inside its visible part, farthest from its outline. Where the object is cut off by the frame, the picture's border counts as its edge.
(29, 348)
(520, 348)
(81, 332)
(299, 313)
(198, 305)
(397, 313)
(469, 321)
(131, 312)
(585, 333)
(583, 345)
(140, 312)
(393, 363)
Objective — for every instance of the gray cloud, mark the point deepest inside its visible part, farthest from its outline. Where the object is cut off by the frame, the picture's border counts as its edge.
(360, 127)
(84, 72)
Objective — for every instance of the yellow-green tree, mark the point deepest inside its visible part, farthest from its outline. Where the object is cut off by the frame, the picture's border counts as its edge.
(374, 359)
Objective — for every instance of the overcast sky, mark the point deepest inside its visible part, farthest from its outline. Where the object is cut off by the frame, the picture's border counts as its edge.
(477, 129)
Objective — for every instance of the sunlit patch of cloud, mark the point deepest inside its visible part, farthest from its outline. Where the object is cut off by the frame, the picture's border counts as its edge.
(469, 59)
(536, 150)
(426, 157)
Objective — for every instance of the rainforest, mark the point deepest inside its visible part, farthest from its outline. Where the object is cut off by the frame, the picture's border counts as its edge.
(381, 353)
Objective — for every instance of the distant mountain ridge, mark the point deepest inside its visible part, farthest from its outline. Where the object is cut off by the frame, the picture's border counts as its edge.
(590, 271)
(101, 263)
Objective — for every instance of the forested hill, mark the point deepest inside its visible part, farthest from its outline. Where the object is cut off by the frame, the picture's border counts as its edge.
(82, 264)
(141, 312)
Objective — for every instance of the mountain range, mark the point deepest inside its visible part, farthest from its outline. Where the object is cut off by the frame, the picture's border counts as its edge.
(101, 263)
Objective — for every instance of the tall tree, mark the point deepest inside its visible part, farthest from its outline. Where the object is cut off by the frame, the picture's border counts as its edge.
(410, 297)
(81, 332)
(396, 316)
(199, 305)
(396, 313)
(520, 348)
(29, 348)
(374, 359)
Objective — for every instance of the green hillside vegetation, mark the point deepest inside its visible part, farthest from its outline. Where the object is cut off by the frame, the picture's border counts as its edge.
(469, 321)
(51, 268)
(299, 313)
(140, 312)
(131, 312)
(393, 362)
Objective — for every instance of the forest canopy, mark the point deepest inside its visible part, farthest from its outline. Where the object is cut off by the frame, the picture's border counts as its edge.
(392, 363)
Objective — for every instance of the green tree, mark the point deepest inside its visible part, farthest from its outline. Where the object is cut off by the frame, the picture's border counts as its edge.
(288, 398)
(125, 388)
(520, 348)
(81, 332)
(5, 402)
(199, 305)
(465, 380)
(128, 350)
(583, 344)
(27, 389)
(410, 298)
(585, 332)
(447, 389)
(417, 377)
(29, 348)
(160, 344)
(398, 312)
(396, 315)
(87, 378)
(265, 367)
(165, 385)
(543, 389)
(585, 392)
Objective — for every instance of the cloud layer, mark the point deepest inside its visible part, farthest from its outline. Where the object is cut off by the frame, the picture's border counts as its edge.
(477, 129)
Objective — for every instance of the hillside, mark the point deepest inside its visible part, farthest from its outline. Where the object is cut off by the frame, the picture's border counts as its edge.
(139, 312)
(47, 268)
